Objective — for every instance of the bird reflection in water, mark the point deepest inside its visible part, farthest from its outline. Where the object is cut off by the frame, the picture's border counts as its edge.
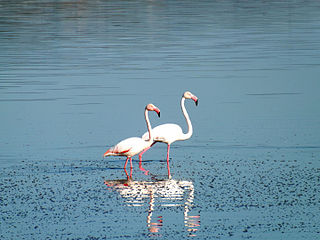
(162, 193)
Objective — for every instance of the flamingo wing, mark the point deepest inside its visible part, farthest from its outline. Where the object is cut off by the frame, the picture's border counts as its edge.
(124, 146)
(165, 133)
(113, 151)
(130, 146)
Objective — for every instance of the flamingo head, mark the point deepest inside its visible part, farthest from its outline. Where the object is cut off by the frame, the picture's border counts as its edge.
(151, 107)
(189, 95)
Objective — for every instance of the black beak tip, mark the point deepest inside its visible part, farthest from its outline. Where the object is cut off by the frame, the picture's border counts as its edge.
(158, 114)
(197, 102)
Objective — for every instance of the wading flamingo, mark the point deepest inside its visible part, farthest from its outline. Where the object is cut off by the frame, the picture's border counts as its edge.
(169, 133)
(132, 146)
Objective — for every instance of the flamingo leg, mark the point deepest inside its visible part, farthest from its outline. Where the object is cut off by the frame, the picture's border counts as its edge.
(130, 172)
(168, 165)
(125, 170)
(140, 158)
(125, 165)
(128, 177)
(131, 163)
(140, 162)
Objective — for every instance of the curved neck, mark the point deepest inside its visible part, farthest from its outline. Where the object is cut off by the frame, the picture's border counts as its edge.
(186, 116)
(148, 124)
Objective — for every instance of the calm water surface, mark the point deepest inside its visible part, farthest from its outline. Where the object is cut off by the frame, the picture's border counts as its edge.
(75, 77)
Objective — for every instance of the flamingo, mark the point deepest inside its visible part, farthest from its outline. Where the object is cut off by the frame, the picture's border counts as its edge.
(132, 146)
(169, 132)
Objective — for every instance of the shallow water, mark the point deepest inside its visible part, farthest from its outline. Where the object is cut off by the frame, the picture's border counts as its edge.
(75, 77)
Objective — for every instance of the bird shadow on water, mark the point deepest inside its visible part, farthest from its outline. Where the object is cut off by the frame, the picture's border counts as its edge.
(158, 195)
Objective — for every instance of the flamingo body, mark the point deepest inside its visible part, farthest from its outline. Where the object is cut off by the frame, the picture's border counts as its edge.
(128, 147)
(167, 133)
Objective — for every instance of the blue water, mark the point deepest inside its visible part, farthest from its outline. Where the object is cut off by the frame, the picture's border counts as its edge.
(75, 77)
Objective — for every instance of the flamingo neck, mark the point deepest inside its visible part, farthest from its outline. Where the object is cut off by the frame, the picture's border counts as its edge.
(186, 116)
(148, 124)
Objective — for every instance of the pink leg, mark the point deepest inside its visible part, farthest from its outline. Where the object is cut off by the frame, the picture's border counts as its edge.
(125, 170)
(131, 163)
(140, 162)
(125, 165)
(140, 158)
(168, 150)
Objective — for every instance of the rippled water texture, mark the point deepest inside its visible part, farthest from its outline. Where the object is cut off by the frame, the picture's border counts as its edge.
(75, 77)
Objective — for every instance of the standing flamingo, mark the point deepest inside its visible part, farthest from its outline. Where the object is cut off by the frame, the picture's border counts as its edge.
(169, 133)
(132, 146)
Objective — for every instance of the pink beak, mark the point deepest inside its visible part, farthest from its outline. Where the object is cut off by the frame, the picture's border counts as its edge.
(195, 99)
(157, 110)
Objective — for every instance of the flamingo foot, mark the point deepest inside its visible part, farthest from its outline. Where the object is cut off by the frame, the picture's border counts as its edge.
(145, 172)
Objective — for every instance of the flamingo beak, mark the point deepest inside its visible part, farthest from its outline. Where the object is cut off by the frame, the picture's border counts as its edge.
(157, 110)
(195, 99)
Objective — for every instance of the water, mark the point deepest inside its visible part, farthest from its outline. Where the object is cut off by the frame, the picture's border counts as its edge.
(75, 77)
